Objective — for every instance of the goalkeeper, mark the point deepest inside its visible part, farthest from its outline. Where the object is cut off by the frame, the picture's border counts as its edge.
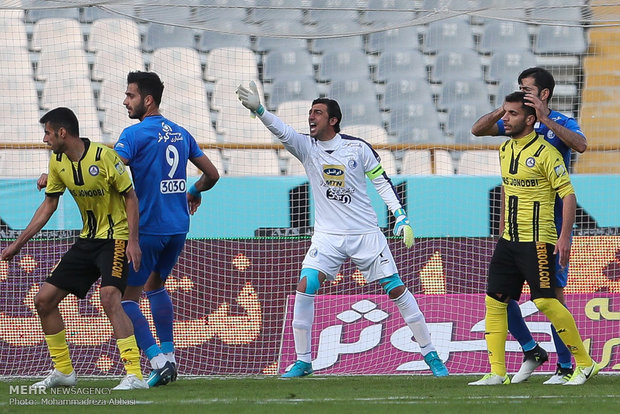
(345, 223)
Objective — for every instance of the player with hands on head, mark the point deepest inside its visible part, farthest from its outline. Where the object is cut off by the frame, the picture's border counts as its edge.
(565, 135)
(345, 224)
(529, 240)
(108, 242)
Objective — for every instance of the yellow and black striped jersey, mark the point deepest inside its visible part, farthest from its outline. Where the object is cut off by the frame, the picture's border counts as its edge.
(533, 171)
(97, 182)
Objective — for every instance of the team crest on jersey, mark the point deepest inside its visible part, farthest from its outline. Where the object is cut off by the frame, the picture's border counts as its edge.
(550, 134)
(93, 170)
(559, 170)
(530, 162)
(313, 252)
(352, 164)
(120, 167)
(334, 175)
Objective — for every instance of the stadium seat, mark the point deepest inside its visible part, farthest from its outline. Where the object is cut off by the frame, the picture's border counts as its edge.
(173, 12)
(286, 64)
(237, 11)
(13, 34)
(280, 34)
(565, 11)
(160, 35)
(284, 90)
(501, 35)
(251, 162)
(116, 119)
(462, 116)
(234, 63)
(479, 162)
(388, 11)
(215, 158)
(509, 64)
(403, 38)
(504, 88)
(499, 9)
(416, 162)
(405, 91)
(343, 64)
(115, 64)
(104, 34)
(295, 114)
(57, 33)
(211, 39)
(448, 34)
(331, 13)
(451, 64)
(15, 63)
(176, 63)
(62, 63)
(348, 90)
(373, 134)
(112, 10)
(406, 116)
(421, 134)
(356, 112)
(270, 13)
(325, 44)
(35, 15)
(23, 163)
(443, 162)
(458, 91)
(19, 120)
(396, 64)
(560, 40)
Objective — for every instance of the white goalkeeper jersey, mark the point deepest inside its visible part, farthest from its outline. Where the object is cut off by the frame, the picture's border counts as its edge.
(337, 171)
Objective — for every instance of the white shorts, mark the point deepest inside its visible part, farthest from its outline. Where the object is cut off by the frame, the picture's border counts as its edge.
(369, 252)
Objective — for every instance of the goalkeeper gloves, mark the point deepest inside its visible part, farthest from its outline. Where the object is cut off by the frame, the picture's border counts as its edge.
(403, 226)
(250, 99)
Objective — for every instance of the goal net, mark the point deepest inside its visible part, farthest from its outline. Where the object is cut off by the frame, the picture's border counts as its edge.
(411, 77)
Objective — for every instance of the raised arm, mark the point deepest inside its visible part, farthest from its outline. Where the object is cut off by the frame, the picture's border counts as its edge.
(487, 124)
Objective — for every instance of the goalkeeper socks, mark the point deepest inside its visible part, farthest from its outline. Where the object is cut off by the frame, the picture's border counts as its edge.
(410, 311)
(566, 328)
(303, 317)
(141, 329)
(130, 355)
(496, 330)
(518, 328)
(59, 351)
(163, 317)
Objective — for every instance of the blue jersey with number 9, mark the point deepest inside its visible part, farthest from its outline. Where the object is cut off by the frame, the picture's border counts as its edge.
(158, 151)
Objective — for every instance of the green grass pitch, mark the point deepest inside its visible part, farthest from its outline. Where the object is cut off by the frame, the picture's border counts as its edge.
(323, 394)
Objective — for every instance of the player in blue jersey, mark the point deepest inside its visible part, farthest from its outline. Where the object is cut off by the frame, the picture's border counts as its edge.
(157, 151)
(564, 134)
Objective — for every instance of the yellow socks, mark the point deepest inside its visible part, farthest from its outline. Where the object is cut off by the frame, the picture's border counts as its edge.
(496, 323)
(565, 326)
(59, 351)
(130, 355)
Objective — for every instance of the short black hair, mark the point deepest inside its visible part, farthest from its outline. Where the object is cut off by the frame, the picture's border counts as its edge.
(333, 110)
(543, 79)
(62, 118)
(519, 96)
(148, 84)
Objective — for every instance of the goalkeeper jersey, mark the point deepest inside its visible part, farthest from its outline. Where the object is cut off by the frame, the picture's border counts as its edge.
(97, 182)
(337, 171)
(533, 172)
(158, 151)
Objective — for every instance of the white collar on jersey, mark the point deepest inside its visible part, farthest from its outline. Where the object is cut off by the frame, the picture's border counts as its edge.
(332, 144)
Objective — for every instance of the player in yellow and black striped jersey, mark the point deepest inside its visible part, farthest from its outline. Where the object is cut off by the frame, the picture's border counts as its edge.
(97, 182)
(533, 172)
(102, 189)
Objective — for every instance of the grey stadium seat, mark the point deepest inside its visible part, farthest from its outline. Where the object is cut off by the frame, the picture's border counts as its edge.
(287, 63)
(297, 89)
(361, 89)
(343, 64)
(159, 35)
(405, 91)
(458, 91)
(560, 39)
(453, 33)
(398, 39)
(498, 34)
(509, 63)
(459, 64)
(396, 64)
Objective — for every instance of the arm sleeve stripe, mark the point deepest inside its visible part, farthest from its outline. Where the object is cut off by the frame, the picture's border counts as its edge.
(125, 190)
(375, 173)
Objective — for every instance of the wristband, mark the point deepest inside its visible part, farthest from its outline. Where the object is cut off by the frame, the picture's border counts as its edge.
(260, 110)
(194, 191)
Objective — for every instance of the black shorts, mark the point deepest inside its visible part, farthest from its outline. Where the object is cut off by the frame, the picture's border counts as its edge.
(88, 259)
(515, 262)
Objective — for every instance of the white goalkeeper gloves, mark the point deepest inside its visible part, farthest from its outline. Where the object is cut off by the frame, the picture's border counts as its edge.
(403, 226)
(250, 98)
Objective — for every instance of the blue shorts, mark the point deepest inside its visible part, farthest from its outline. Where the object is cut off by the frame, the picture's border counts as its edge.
(159, 254)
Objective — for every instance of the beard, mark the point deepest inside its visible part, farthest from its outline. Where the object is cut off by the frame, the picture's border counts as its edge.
(138, 112)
